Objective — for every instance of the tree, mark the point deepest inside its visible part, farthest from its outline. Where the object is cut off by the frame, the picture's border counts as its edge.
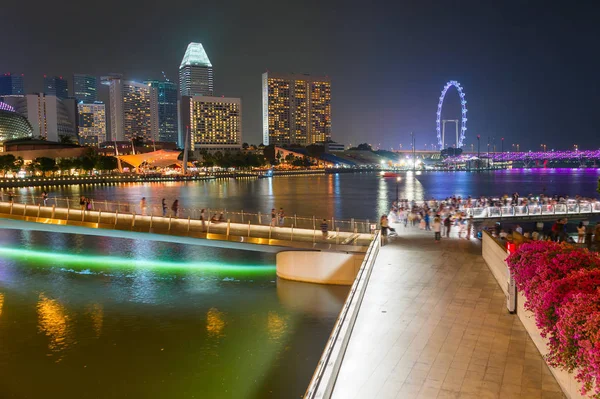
(7, 163)
(46, 165)
(245, 146)
(106, 163)
(364, 147)
(289, 158)
(65, 164)
(66, 139)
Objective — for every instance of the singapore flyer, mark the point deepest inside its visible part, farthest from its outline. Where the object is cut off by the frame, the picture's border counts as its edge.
(463, 105)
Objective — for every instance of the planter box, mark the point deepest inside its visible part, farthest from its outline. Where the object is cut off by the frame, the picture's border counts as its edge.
(495, 255)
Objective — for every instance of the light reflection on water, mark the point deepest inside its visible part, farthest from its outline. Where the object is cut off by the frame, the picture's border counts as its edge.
(343, 196)
(193, 331)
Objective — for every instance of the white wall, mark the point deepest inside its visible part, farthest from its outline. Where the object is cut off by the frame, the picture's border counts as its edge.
(319, 267)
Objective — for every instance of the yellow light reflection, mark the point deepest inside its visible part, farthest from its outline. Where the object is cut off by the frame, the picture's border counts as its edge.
(54, 322)
(1, 302)
(215, 323)
(276, 325)
(96, 313)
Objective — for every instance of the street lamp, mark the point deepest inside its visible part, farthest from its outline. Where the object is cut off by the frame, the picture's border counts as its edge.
(478, 157)
(397, 183)
(412, 135)
(502, 147)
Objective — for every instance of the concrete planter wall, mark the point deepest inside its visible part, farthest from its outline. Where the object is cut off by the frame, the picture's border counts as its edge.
(495, 255)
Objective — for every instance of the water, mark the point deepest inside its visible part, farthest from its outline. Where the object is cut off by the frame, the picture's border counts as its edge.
(343, 196)
(153, 320)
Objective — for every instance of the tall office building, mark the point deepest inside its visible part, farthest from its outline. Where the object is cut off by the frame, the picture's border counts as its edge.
(11, 84)
(296, 109)
(50, 116)
(56, 86)
(91, 126)
(167, 110)
(133, 109)
(215, 123)
(84, 88)
(195, 72)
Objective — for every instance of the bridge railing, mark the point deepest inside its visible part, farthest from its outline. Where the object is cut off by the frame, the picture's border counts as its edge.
(357, 226)
(531, 210)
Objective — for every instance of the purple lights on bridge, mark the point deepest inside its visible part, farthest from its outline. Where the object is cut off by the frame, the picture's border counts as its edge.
(531, 156)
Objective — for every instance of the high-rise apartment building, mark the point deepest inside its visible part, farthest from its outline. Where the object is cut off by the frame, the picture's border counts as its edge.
(214, 123)
(84, 88)
(296, 109)
(11, 84)
(56, 86)
(133, 109)
(50, 116)
(167, 110)
(91, 126)
(195, 72)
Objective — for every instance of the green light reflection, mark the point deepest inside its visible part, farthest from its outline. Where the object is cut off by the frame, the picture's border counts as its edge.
(112, 262)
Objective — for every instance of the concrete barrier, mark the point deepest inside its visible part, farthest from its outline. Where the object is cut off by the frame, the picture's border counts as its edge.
(495, 257)
(319, 267)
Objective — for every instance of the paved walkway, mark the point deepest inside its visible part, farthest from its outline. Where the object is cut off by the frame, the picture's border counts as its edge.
(434, 324)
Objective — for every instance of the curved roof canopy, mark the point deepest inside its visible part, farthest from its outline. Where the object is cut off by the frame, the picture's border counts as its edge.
(160, 158)
(195, 56)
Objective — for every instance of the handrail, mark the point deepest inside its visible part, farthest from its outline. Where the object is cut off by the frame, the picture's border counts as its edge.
(323, 380)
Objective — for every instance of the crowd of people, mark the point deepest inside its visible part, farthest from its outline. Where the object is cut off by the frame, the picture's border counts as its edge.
(441, 217)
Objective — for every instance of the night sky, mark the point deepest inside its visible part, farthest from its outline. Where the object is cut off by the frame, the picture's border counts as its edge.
(529, 69)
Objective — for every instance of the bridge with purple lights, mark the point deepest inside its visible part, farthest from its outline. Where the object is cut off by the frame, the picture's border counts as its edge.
(528, 158)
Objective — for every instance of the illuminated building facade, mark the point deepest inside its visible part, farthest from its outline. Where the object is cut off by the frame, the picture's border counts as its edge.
(11, 84)
(84, 88)
(49, 116)
(56, 86)
(133, 109)
(91, 126)
(296, 109)
(195, 72)
(168, 129)
(215, 123)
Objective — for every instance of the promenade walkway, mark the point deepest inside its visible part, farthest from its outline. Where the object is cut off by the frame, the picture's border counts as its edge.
(434, 324)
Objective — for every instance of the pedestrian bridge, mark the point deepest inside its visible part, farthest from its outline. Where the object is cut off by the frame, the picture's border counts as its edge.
(537, 211)
(302, 254)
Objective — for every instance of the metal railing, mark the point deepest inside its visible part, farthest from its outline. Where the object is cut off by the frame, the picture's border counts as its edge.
(120, 216)
(255, 218)
(532, 210)
(323, 380)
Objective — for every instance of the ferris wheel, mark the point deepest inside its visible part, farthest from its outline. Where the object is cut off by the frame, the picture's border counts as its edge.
(441, 124)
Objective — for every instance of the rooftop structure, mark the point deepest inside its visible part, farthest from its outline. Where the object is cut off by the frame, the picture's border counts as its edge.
(195, 72)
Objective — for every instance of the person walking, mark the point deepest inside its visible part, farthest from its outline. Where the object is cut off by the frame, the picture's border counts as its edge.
(324, 229)
(447, 225)
(164, 207)
(437, 228)
(44, 197)
(383, 223)
(427, 221)
(175, 208)
(273, 217)
(143, 206)
(470, 231)
(281, 216)
(82, 202)
(580, 233)
(203, 218)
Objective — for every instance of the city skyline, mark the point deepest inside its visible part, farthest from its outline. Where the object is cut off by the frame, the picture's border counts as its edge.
(386, 76)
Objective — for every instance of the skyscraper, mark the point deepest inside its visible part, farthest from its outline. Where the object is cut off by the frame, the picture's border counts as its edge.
(296, 109)
(133, 109)
(56, 86)
(215, 123)
(91, 126)
(11, 84)
(195, 72)
(167, 110)
(84, 88)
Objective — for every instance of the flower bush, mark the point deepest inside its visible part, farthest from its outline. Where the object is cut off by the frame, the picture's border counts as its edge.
(562, 286)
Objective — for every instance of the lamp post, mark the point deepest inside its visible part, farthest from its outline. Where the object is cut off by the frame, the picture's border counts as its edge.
(502, 146)
(412, 135)
(478, 157)
(397, 184)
